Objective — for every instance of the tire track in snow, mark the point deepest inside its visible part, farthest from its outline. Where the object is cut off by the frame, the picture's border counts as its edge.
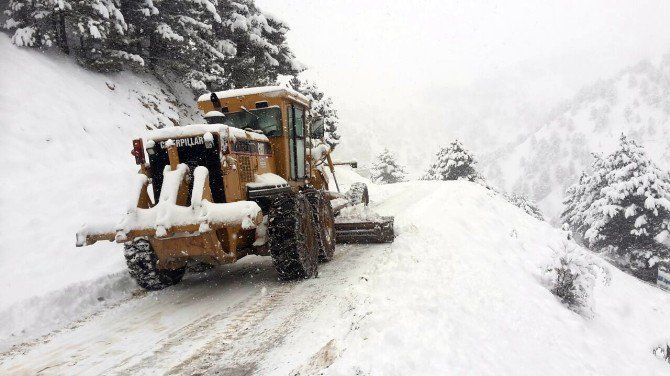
(23, 348)
(222, 348)
(115, 337)
(240, 348)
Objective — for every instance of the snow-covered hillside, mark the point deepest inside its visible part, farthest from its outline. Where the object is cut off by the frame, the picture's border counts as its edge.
(635, 102)
(66, 139)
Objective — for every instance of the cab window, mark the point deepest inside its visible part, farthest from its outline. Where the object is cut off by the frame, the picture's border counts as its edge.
(296, 129)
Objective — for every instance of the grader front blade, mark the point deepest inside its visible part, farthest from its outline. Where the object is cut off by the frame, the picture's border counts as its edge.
(365, 232)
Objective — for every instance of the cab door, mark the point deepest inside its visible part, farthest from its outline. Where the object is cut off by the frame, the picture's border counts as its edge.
(296, 129)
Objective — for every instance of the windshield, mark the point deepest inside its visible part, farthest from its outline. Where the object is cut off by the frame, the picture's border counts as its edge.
(267, 120)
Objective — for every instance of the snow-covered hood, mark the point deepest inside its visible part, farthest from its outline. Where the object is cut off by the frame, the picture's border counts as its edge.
(223, 130)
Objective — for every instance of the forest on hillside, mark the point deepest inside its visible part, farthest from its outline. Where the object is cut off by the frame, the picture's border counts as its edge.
(207, 44)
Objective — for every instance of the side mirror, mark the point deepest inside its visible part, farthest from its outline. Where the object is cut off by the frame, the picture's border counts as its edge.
(317, 128)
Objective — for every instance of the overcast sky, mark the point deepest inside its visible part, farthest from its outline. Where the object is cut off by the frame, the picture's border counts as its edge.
(389, 63)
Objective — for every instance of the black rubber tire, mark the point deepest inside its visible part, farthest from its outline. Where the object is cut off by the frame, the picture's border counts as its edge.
(142, 265)
(358, 194)
(291, 237)
(322, 214)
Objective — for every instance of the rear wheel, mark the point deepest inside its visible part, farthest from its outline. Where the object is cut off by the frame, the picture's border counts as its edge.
(322, 214)
(142, 265)
(292, 239)
(358, 194)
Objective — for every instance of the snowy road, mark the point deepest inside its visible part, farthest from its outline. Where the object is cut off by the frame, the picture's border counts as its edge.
(225, 320)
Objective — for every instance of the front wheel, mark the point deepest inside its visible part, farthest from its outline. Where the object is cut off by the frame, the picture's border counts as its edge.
(292, 239)
(143, 267)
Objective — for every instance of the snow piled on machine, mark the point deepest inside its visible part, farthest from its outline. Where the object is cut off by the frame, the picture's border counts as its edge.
(358, 213)
(66, 144)
(267, 179)
(167, 214)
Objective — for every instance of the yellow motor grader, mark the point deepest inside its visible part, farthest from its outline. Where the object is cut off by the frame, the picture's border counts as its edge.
(252, 180)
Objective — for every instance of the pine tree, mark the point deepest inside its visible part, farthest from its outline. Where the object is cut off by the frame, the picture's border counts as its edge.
(35, 23)
(453, 163)
(385, 170)
(526, 204)
(257, 43)
(623, 205)
(142, 18)
(322, 107)
(208, 44)
(580, 196)
(96, 30)
(100, 28)
(182, 41)
(636, 198)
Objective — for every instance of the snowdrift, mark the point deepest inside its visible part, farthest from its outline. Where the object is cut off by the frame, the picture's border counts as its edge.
(464, 290)
(66, 139)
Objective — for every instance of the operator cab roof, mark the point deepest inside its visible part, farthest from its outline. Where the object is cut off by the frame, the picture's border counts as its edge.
(267, 91)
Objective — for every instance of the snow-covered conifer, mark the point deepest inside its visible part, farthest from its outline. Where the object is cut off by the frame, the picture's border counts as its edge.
(183, 41)
(525, 203)
(99, 31)
(35, 23)
(208, 44)
(322, 106)
(94, 29)
(453, 163)
(634, 205)
(386, 170)
(256, 41)
(623, 206)
(581, 195)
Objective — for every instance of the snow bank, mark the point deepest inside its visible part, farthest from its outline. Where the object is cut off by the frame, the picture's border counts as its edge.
(66, 139)
(346, 176)
(41, 314)
(464, 290)
(467, 275)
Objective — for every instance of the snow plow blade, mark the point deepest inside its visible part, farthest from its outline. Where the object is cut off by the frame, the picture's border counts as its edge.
(380, 231)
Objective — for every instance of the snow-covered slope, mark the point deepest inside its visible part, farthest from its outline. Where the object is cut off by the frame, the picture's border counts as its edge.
(66, 137)
(463, 290)
(635, 102)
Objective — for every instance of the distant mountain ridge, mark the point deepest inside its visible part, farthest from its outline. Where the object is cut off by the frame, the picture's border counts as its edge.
(635, 102)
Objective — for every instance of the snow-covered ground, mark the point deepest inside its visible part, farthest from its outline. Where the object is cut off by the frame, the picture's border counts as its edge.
(66, 139)
(462, 290)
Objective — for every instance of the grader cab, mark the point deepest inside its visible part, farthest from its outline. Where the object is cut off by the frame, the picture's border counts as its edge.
(252, 180)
